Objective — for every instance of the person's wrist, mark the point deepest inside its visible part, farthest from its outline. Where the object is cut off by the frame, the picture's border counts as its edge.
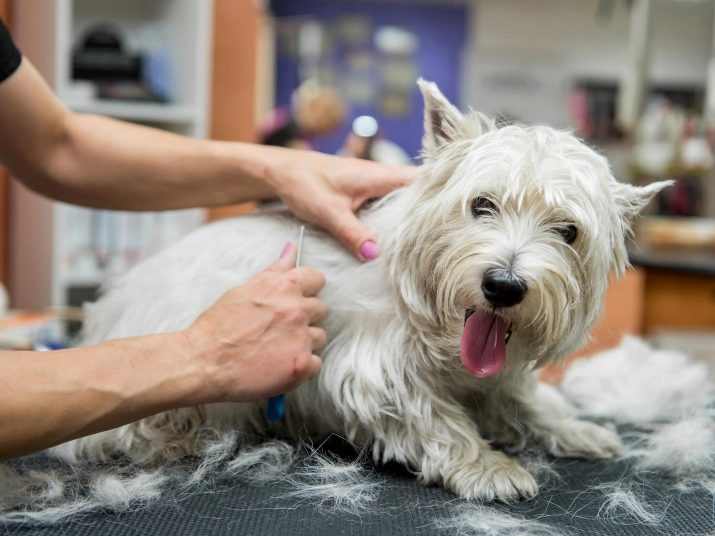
(190, 349)
(246, 171)
(272, 169)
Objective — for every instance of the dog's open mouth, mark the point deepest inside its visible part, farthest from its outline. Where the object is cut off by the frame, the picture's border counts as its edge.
(484, 340)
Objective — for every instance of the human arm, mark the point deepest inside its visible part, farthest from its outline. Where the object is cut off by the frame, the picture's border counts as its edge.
(100, 162)
(256, 341)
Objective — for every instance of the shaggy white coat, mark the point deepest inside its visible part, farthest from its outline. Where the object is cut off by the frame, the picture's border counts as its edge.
(392, 379)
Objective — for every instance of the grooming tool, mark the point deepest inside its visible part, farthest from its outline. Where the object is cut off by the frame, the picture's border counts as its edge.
(275, 410)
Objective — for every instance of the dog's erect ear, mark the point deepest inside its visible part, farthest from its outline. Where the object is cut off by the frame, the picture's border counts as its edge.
(631, 199)
(443, 121)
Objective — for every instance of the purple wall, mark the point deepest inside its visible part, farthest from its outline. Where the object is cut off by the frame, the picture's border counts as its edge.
(441, 31)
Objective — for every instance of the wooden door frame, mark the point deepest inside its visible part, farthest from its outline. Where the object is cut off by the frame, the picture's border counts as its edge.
(236, 29)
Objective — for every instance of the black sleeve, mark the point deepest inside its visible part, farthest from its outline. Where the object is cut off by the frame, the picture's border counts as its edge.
(10, 56)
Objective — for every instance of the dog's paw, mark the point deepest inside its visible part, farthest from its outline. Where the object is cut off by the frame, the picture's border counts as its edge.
(583, 439)
(496, 477)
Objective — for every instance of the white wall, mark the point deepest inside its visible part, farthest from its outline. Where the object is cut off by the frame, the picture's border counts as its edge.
(525, 54)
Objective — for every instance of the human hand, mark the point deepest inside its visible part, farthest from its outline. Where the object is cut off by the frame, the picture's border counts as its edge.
(258, 339)
(327, 191)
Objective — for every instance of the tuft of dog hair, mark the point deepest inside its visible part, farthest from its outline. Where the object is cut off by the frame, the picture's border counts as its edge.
(624, 503)
(683, 450)
(514, 228)
(664, 397)
(480, 520)
(637, 384)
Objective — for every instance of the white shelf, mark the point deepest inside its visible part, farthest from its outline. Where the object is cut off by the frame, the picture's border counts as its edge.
(138, 111)
(179, 31)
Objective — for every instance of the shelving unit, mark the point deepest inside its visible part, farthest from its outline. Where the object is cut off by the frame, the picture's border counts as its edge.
(49, 236)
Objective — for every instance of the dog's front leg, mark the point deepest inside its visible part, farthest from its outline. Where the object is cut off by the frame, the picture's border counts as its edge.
(547, 416)
(441, 443)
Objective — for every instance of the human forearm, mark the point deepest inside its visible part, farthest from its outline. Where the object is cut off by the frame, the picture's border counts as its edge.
(111, 164)
(101, 162)
(50, 397)
(256, 341)
(117, 165)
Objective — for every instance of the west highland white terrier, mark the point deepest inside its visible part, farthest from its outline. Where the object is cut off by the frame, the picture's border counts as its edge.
(495, 261)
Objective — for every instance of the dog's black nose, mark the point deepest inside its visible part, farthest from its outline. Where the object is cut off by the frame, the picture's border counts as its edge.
(502, 288)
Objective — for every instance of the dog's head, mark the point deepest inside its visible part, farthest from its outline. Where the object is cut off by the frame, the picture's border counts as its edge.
(509, 234)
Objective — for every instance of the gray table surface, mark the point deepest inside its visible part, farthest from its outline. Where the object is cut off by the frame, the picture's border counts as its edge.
(403, 507)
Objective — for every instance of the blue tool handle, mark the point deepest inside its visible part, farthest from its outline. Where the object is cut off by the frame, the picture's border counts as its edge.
(276, 408)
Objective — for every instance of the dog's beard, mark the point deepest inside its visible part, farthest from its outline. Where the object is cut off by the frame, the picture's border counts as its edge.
(551, 321)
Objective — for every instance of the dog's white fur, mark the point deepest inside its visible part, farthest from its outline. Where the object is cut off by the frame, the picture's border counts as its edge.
(392, 377)
(635, 383)
(665, 398)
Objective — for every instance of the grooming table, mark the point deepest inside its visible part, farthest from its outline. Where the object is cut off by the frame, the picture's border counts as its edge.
(403, 507)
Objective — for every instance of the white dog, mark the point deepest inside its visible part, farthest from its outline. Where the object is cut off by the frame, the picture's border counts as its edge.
(495, 261)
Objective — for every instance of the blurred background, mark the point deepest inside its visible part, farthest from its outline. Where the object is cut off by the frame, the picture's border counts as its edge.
(634, 78)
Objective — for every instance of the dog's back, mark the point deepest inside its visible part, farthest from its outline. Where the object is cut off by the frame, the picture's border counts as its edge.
(168, 291)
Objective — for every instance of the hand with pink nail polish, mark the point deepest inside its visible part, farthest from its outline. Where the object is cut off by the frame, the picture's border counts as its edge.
(328, 190)
(259, 339)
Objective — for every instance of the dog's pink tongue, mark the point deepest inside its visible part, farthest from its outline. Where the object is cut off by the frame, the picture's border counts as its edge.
(483, 345)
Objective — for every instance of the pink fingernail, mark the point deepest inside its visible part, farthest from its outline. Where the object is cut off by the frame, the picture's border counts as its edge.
(369, 250)
(286, 249)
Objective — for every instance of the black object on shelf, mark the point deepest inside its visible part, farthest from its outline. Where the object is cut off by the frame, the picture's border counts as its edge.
(101, 57)
(77, 296)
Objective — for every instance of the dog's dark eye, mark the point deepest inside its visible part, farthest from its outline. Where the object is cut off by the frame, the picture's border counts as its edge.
(568, 233)
(481, 206)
